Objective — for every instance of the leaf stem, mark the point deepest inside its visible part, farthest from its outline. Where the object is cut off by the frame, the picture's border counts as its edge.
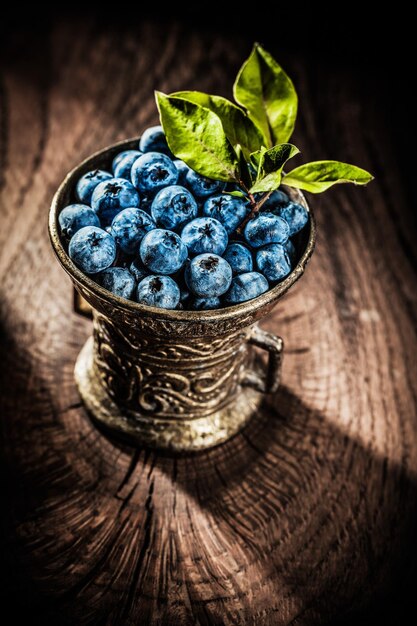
(255, 207)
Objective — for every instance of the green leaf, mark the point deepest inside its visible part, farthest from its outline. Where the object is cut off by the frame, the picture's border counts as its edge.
(270, 166)
(256, 157)
(195, 135)
(245, 174)
(239, 128)
(235, 194)
(320, 175)
(269, 96)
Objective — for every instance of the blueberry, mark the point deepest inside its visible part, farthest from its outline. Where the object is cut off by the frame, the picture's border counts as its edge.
(153, 171)
(76, 216)
(201, 186)
(291, 251)
(124, 165)
(173, 206)
(92, 249)
(87, 183)
(111, 196)
(273, 261)
(138, 270)
(208, 275)
(296, 216)
(119, 156)
(205, 234)
(276, 199)
(153, 140)
(129, 228)
(228, 210)
(239, 258)
(159, 291)
(266, 228)
(118, 280)
(246, 287)
(162, 251)
(183, 170)
(205, 304)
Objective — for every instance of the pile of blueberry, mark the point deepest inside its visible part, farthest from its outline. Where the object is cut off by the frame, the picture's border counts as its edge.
(156, 232)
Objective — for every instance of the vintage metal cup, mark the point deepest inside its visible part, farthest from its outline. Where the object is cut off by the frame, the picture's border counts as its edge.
(171, 379)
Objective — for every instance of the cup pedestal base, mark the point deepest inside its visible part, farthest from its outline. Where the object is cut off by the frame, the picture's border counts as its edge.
(177, 435)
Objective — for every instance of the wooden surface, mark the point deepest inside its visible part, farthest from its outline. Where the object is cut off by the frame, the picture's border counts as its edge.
(304, 518)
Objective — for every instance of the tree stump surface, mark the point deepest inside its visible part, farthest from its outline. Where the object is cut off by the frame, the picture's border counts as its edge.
(304, 517)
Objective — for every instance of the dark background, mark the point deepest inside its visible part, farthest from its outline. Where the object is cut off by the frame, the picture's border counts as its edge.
(375, 46)
(376, 49)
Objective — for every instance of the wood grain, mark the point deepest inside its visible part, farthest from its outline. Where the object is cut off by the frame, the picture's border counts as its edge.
(307, 515)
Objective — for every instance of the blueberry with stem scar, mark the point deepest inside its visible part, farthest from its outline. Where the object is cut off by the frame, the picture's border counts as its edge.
(159, 291)
(112, 196)
(153, 171)
(228, 210)
(205, 234)
(92, 249)
(208, 275)
(173, 206)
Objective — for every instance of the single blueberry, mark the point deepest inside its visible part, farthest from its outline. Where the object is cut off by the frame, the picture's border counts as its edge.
(119, 156)
(153, 140)
(228, 210)
(173, 206)
(87, 183)
(273, 261)
(239, 258)
(183, 170)
(129, 228)
(111, 196)
(124, 166)
(205, 234)
(159, 291)
(76, 216)
(246, 287)
(205, 304)
(277, 199)
(162, 251)
(138, 270)
(296, 216)
(291, 251)
(92, 249)
(208, 275)
(118, 280)
(201, 186)
(153, 171)
(266, 228)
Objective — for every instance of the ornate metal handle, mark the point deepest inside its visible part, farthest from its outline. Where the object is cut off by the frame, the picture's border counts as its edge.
(81, 306)
(274, 345)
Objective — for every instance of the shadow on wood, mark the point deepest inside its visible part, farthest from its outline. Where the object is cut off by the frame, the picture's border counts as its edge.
(289, 522)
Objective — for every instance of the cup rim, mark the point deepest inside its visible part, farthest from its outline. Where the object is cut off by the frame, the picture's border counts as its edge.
(172, 314)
